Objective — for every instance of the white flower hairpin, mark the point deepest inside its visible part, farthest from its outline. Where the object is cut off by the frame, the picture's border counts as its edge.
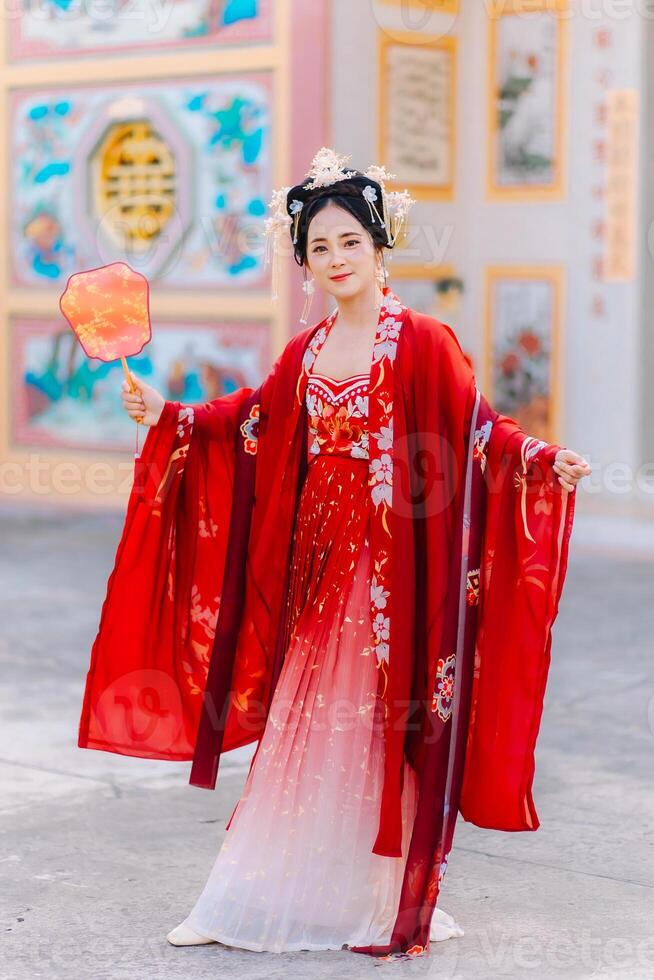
(396, 204)
(327, 168)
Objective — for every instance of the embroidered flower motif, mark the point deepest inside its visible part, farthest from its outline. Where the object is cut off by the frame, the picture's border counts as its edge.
(444, 691)
(472, 587)
(337, 420)
(207, 530)
(384, 437)
(390, 329)
(335, 430)
(480, 448)
(381, 479)
(385, 348)
(204, 615)
(185, 418)
(250, 431)
(311, 352)
(381, 628)
(361, 405)
(313, 403)
(378, 593)
(393, 305)
(361, 450)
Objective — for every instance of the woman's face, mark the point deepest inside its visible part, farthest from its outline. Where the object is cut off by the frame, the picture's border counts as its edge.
(340, 253)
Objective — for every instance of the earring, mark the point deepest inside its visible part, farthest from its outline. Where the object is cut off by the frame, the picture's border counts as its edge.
(382, 273)
(308, 287)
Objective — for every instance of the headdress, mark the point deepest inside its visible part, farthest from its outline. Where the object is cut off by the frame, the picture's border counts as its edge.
(288, 206)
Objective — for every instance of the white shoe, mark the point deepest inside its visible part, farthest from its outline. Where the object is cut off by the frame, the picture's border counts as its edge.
(443, 926)
(183, 935)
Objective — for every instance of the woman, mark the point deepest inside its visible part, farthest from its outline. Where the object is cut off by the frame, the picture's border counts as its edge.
(344, 642)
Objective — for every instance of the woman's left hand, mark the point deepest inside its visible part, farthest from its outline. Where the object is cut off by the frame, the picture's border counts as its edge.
(570, 467)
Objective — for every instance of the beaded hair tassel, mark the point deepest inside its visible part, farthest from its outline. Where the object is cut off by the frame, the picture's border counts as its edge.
(277, 224)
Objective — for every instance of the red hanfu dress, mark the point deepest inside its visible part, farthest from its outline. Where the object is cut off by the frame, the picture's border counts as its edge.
(296, 870)
(272, 536)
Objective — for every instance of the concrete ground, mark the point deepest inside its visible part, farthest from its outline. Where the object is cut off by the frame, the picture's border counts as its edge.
(101, 855)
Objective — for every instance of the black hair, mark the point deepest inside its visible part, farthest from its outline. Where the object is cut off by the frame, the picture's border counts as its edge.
(348, 197)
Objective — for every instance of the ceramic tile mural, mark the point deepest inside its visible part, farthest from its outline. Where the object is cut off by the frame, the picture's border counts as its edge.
(203, 142)
(53, 29)
(63, 399)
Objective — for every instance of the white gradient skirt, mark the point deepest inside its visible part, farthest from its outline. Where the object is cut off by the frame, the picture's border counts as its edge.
(296, 869)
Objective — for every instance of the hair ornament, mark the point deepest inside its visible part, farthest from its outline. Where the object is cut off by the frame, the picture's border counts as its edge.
(295, 207)
(328, 168)
(370, 196)
(398, 204)
(279, 222)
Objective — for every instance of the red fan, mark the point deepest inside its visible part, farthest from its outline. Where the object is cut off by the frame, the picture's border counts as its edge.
(108, 309)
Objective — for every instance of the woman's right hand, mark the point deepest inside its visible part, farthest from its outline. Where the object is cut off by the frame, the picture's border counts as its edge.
(145, 404)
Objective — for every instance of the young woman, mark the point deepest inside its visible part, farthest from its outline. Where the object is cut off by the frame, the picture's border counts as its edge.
(371, 519)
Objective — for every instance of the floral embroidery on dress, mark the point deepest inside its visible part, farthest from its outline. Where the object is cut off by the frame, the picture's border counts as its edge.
(391, 319)
(317, 341)
(185, 419)
(381, 479)
(335, 431)
(379, 594)
(379, 451)
(204, 615)
(177, 459)
(472, 587)
(250, 431)
(528, 452)
(207, 530)
(338, 419)
(444, 690)
(482, 438)
(389, 333)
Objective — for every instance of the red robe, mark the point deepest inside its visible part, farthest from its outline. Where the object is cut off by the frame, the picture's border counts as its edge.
(469, 540)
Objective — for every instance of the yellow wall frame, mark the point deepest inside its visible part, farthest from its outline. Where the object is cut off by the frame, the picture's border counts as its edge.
(419, 270)
(527, 192)
(554, 275)
(435, 192)
(428, 6)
